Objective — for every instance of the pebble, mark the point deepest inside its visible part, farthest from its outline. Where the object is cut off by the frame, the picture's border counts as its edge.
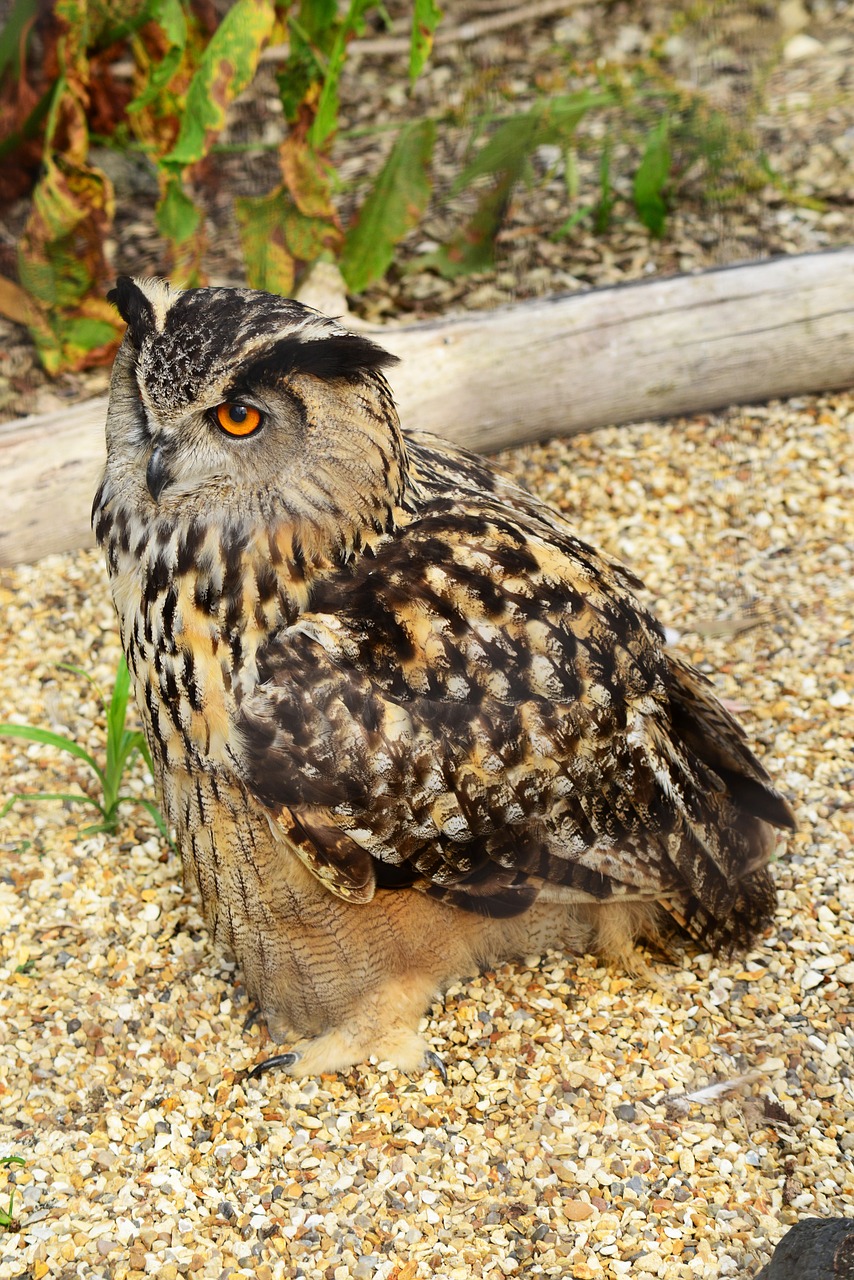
(801, 46)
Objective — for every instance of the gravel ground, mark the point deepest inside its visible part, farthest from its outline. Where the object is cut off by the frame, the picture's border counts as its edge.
(577, 1133)
(781, 72)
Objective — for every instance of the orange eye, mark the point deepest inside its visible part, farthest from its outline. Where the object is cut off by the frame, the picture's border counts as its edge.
(237, 419)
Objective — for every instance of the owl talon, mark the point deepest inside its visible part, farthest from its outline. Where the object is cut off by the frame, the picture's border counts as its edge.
(283, 1060)
(432, 1059)
(253, 1017)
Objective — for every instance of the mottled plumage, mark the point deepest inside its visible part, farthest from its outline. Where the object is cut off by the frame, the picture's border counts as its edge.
(406, 722)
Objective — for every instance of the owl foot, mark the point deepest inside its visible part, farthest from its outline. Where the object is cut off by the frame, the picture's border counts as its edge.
(380, 1025)
(336, 1050)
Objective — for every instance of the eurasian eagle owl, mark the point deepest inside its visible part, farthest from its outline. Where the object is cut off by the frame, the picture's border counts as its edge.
(405, 721)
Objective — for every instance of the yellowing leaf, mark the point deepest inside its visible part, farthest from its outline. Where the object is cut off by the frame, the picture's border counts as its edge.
(426, 17)
(14, 303)
(60, 255)
(227, 66)
(169, 16)
(307, 179)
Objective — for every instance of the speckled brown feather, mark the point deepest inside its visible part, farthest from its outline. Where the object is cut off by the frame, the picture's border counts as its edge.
(405, 720)
(482, 696)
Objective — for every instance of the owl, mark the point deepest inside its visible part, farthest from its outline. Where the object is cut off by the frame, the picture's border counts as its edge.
(406, 723)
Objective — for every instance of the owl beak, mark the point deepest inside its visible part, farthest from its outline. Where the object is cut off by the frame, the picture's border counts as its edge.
(157, 474)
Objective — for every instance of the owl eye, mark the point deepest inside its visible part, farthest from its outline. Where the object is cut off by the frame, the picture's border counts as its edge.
(237, 419)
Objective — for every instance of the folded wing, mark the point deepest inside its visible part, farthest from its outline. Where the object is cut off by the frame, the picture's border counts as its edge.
(482, 709)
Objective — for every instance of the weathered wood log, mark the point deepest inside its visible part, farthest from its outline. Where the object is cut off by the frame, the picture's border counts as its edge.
(548, 367)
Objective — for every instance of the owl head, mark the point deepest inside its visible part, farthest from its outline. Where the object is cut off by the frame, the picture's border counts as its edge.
(247, 403)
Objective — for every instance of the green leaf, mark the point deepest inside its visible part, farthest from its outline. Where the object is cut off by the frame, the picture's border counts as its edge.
(142, 747)
(269, 262)
(21, 16)
(30, 734)
(507, 156)
(317, 22)
(178, 218)
(605, 204)
(122, 744)
(553, 121)
(426, 16)
(572, 221)
(84, 334)
(116, 748)
(312, 33)
(652, 177)
(393, 207)
(226, 68)
(326, 120)
(67, 797)
(472, 248)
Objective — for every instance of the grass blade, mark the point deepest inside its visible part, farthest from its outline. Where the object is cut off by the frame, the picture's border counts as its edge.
(155, 814)
(69, 797)
(652, 177)
(116, 715)
(30, 734)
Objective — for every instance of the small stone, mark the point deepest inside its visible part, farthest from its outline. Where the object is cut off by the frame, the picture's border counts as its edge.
(625, 1111)
(792, 16)
(577, 1210)
(800, 47)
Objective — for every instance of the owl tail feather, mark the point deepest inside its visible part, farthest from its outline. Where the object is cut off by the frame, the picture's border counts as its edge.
(731, 895)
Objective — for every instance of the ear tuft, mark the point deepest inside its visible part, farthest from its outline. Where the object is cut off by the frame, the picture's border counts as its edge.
(341, 355)
(338, 355)
(134, 308)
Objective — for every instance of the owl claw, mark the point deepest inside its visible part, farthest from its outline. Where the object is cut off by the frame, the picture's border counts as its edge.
(253, 1017)
(283, 1060)
(433, 1060)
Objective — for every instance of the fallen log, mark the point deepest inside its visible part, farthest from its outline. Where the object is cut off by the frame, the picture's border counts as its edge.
(555, 366)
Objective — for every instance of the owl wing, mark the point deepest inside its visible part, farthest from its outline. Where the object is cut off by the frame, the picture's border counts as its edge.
(481, 709)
